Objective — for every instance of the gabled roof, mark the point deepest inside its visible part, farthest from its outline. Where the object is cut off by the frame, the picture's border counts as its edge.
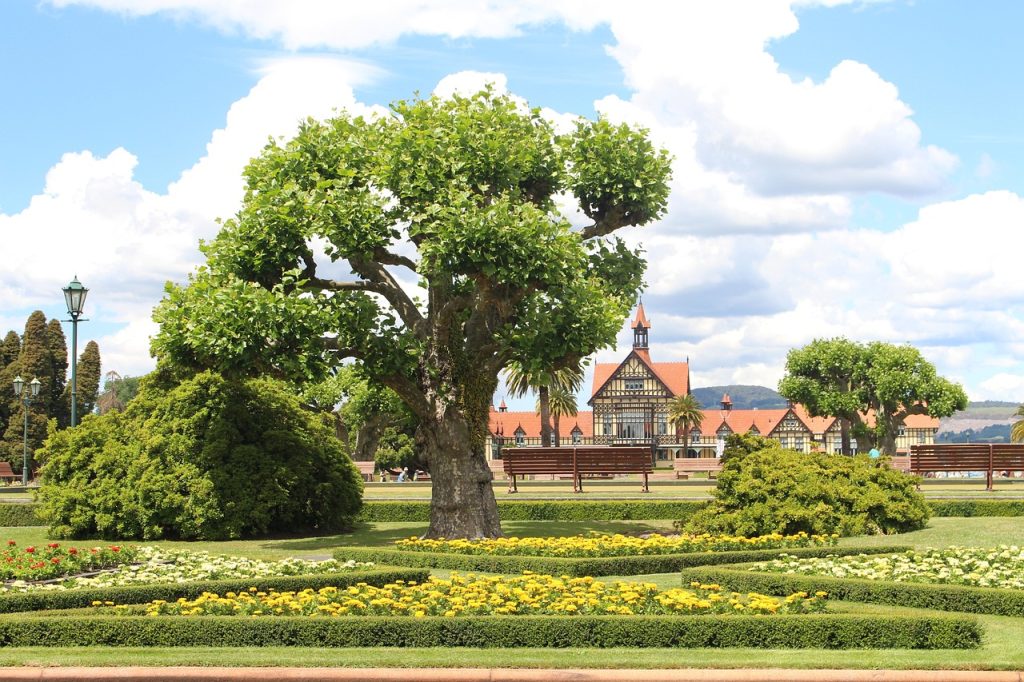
(674, 375)
(530, 423)
(741, 421)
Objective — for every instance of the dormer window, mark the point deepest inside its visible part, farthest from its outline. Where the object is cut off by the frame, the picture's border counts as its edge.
(577, 436)
(520, 437)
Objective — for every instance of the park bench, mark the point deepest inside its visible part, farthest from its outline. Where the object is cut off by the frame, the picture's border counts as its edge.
(366, 469)
(901, 463)
(684, 466)
(987, 458)
(577, 462)
(6, 472)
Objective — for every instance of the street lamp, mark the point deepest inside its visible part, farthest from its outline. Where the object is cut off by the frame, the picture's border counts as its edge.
(27, 394)
(74, 296)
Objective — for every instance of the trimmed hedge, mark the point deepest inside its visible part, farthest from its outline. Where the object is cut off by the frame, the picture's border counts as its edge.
(590, 566)
(997, 601)
(19, 514)
(142, 594)
(818, 631)
(545, 510)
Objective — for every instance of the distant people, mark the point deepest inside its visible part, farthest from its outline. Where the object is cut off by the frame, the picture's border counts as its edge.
(873, 453)
(383, 476)
(404, 476)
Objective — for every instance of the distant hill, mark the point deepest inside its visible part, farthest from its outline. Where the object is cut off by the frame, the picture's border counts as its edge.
(988, 409)
(743, 397)
(996, 433)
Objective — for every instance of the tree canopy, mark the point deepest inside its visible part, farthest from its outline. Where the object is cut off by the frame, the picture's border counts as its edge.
(874, 386)
(431, 246)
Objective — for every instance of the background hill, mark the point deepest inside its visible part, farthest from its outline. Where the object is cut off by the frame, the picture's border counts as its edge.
(743, 397)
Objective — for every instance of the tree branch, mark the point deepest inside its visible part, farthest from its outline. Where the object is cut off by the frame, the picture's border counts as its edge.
(605, 225)
(385, 257)
(386, 285)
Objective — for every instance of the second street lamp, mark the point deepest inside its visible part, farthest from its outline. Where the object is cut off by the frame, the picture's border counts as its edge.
(74, 296)
(26, 394)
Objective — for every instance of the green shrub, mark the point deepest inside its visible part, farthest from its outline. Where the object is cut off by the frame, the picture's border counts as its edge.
(206, 458)
(819, 631)
(544, 510)
(782, 491)
(963, 598)
(19, 514)
(17, 602)
(965, 508)
(620, 565)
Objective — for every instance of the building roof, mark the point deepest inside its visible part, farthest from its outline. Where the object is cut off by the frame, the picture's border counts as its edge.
(530, 423)
(675, 375)
(641, 318)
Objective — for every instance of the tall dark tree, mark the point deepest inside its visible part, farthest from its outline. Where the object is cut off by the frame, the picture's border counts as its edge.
(58, 405)
(10, 349)
(88, 378)
(461, 196)
(34, 362)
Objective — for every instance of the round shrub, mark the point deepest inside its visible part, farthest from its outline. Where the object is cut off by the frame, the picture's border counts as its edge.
(205, 458)
(782, 491)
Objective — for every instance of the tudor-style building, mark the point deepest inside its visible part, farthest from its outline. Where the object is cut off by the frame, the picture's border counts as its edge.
(630, 407)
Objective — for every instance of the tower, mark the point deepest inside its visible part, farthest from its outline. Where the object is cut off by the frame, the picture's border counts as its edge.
(640, 327)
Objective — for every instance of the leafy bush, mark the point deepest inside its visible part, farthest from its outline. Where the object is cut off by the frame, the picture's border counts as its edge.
(544, 510)
(817, 631)
(782, 491)
(595, 566)
(19, 514)
(206, 458)
(963, 598)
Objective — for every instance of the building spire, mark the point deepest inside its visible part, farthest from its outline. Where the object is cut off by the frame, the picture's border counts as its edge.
(640, 327)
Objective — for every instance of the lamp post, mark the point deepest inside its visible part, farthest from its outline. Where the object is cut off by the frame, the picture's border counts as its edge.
(74, 296)
(26, 393)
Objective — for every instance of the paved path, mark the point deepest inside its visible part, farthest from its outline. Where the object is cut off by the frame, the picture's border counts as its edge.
(179, 674)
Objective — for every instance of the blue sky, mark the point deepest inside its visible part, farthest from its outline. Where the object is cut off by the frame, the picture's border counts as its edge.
(849, 170)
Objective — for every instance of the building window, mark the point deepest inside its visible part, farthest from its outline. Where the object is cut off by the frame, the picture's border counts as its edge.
(695, 436)
(607, 426)
(577, 437)
(798, 443)
(520, 438)
(634, 384)
(901, 430)
(921, 438)
(662, 428)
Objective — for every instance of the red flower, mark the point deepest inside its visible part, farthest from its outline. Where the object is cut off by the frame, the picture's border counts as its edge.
(11, 543)
(72, 550)
(30, 550)
(115, 548)
(55, 560)
(53, 545)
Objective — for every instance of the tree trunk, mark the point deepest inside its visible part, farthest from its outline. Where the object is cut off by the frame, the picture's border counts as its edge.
(844, 436)
(545, 416)
(888, 440)
(558, 435)
(462, 503)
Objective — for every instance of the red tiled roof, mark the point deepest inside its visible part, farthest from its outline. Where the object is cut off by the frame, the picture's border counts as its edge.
(641, 318)
(530, 423)
(675, 375)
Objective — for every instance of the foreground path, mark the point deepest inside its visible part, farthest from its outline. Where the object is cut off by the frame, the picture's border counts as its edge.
(178, 674)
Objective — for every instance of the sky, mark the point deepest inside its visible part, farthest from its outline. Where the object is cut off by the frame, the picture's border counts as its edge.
(840, 168)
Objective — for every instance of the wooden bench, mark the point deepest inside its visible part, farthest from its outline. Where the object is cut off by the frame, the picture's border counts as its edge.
(692, 465)
(6, 472)
(900, 463)
(366, 469)
(987, 458)
(577, 462)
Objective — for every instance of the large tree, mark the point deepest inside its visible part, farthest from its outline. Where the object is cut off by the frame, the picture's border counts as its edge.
(875, 386)
(461, 197)
(35, 361)
(89, 371)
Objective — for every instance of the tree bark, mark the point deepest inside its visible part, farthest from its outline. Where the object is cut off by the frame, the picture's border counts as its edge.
(844, 436)
(545, 416)
(462, 503)
(557, 431)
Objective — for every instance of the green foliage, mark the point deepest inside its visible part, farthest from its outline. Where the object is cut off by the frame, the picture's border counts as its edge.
(58, 405)
(686, 412)
(968, 508)
(88, 378)
(19, 602)
(117, 391)
(206, 458)
(544, 510)
(19, 514)
(847, 379)
(783, 491)
(739, 445)
(35, 361)
(998, 601)
(592, 566)
(815, 631)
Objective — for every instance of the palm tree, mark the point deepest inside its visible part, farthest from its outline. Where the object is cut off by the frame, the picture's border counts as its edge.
(1017, 430)
(686, 412)
(520, 380)
(562, 402)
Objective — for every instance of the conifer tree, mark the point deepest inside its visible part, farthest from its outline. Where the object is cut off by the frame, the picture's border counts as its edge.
(9, 351)
(88, 378)
(34, 362)
(57, 403)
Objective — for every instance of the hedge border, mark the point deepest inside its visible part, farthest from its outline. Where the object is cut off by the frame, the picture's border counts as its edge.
(21, 602)
(818, 631)
(18, 514)
(958, 598)
(590, 566)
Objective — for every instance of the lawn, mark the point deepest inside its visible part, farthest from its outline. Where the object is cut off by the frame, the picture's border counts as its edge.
(1003, 647)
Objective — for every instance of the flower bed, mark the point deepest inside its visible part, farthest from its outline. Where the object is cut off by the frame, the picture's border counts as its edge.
(55, 560)
(1002, 567)
(473, 595)
(614, 545)
(158, 566)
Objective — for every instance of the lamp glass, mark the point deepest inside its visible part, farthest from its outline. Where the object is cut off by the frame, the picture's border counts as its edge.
(35, 387)
(19, 384)
(74, 297)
